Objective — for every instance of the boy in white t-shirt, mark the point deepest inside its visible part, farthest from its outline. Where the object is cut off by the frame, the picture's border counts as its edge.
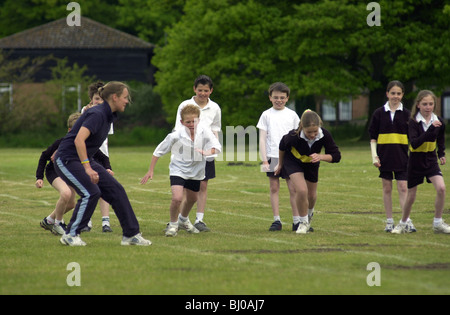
(189, 147)
(273, 124)
(210, 117)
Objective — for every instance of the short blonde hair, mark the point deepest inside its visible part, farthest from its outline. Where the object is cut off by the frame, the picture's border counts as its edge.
(190, 110)
(72, 119)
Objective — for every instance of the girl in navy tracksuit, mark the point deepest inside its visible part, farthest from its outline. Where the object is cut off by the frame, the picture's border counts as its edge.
(427, 145)
(74, 164)
(299, 159)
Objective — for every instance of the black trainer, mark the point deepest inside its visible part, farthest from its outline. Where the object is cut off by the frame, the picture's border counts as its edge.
(276, 226)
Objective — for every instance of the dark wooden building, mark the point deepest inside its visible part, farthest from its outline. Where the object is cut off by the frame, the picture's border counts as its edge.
(108, 53)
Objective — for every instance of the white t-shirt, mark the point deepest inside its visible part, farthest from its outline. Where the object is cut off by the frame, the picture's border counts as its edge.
(185, 161)
(210, 115)
(277, 123)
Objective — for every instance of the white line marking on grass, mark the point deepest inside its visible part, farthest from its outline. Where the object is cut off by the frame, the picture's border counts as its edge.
(46, 203)
(19, 216)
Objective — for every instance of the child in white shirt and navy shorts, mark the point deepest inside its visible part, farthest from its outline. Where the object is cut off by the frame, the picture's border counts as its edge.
(189, 147)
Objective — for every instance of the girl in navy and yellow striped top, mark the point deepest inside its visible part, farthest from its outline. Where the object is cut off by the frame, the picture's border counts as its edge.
(299, 160)
(389, 144)
(427, 138)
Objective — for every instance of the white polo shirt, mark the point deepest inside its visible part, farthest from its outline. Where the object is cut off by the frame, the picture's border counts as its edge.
(186, 162)
(210, 115)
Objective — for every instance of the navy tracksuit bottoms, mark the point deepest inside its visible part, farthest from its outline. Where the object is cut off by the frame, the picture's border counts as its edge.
(108, 188)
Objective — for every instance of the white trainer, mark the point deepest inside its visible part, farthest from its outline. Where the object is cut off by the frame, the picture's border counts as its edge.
(137, 240)
(441, 228)
(187, 225)
(67, 239)
(303, 228)
(400, 228)
(172, 229)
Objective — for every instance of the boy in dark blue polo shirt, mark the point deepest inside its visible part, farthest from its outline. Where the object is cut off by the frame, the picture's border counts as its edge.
(89, 179)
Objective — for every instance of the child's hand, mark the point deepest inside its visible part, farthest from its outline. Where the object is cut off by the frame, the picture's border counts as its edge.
(315, 158)
(442, 160)
(277, 169)
(146, 177)
(437, 123)
(206, 152)
(377, 162)
(110, 172)
(39, 183)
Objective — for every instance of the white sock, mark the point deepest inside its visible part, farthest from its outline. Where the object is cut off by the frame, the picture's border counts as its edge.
(310, 211)
(50, 220)
(437, 221)
(276, 218)
(304, 219)
(199, 217)
(390, 220)
(181, 218)
(296, 219)
(105, 221)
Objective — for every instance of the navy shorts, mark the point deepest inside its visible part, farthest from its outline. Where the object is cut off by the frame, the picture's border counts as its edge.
(416, 178)
(272, 163)
(309, 170)
(210, 170)
(389, 175)
(190, 184)
(50, 174)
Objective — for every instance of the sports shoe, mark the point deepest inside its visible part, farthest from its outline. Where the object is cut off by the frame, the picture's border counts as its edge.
(135, 240)
(295, 227)
(389, 227)
(45, 225)
(106, 228)
(441, 228)
(201, 226)
(400, 228)
(58, 229)
(70, 240)
(303, 228)
(410, 228)
(171, 229)
(276, 226)
(187, 225)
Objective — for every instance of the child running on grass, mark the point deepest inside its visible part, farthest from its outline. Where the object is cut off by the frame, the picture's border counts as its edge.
(189, 147)
(300, 160)
(388, 132)
(66, 202)
(426, 135)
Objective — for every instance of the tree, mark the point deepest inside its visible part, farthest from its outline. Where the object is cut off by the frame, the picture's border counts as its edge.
(231, 42)
(320, 48)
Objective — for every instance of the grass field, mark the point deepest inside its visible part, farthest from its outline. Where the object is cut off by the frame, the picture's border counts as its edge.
(239, 256)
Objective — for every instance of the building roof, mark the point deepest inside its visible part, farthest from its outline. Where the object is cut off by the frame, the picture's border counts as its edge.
(58, 35)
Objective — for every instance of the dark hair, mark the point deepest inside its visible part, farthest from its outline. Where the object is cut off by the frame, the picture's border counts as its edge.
(93, 89)
(279, 87)
(203, 79)
(395, 83)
